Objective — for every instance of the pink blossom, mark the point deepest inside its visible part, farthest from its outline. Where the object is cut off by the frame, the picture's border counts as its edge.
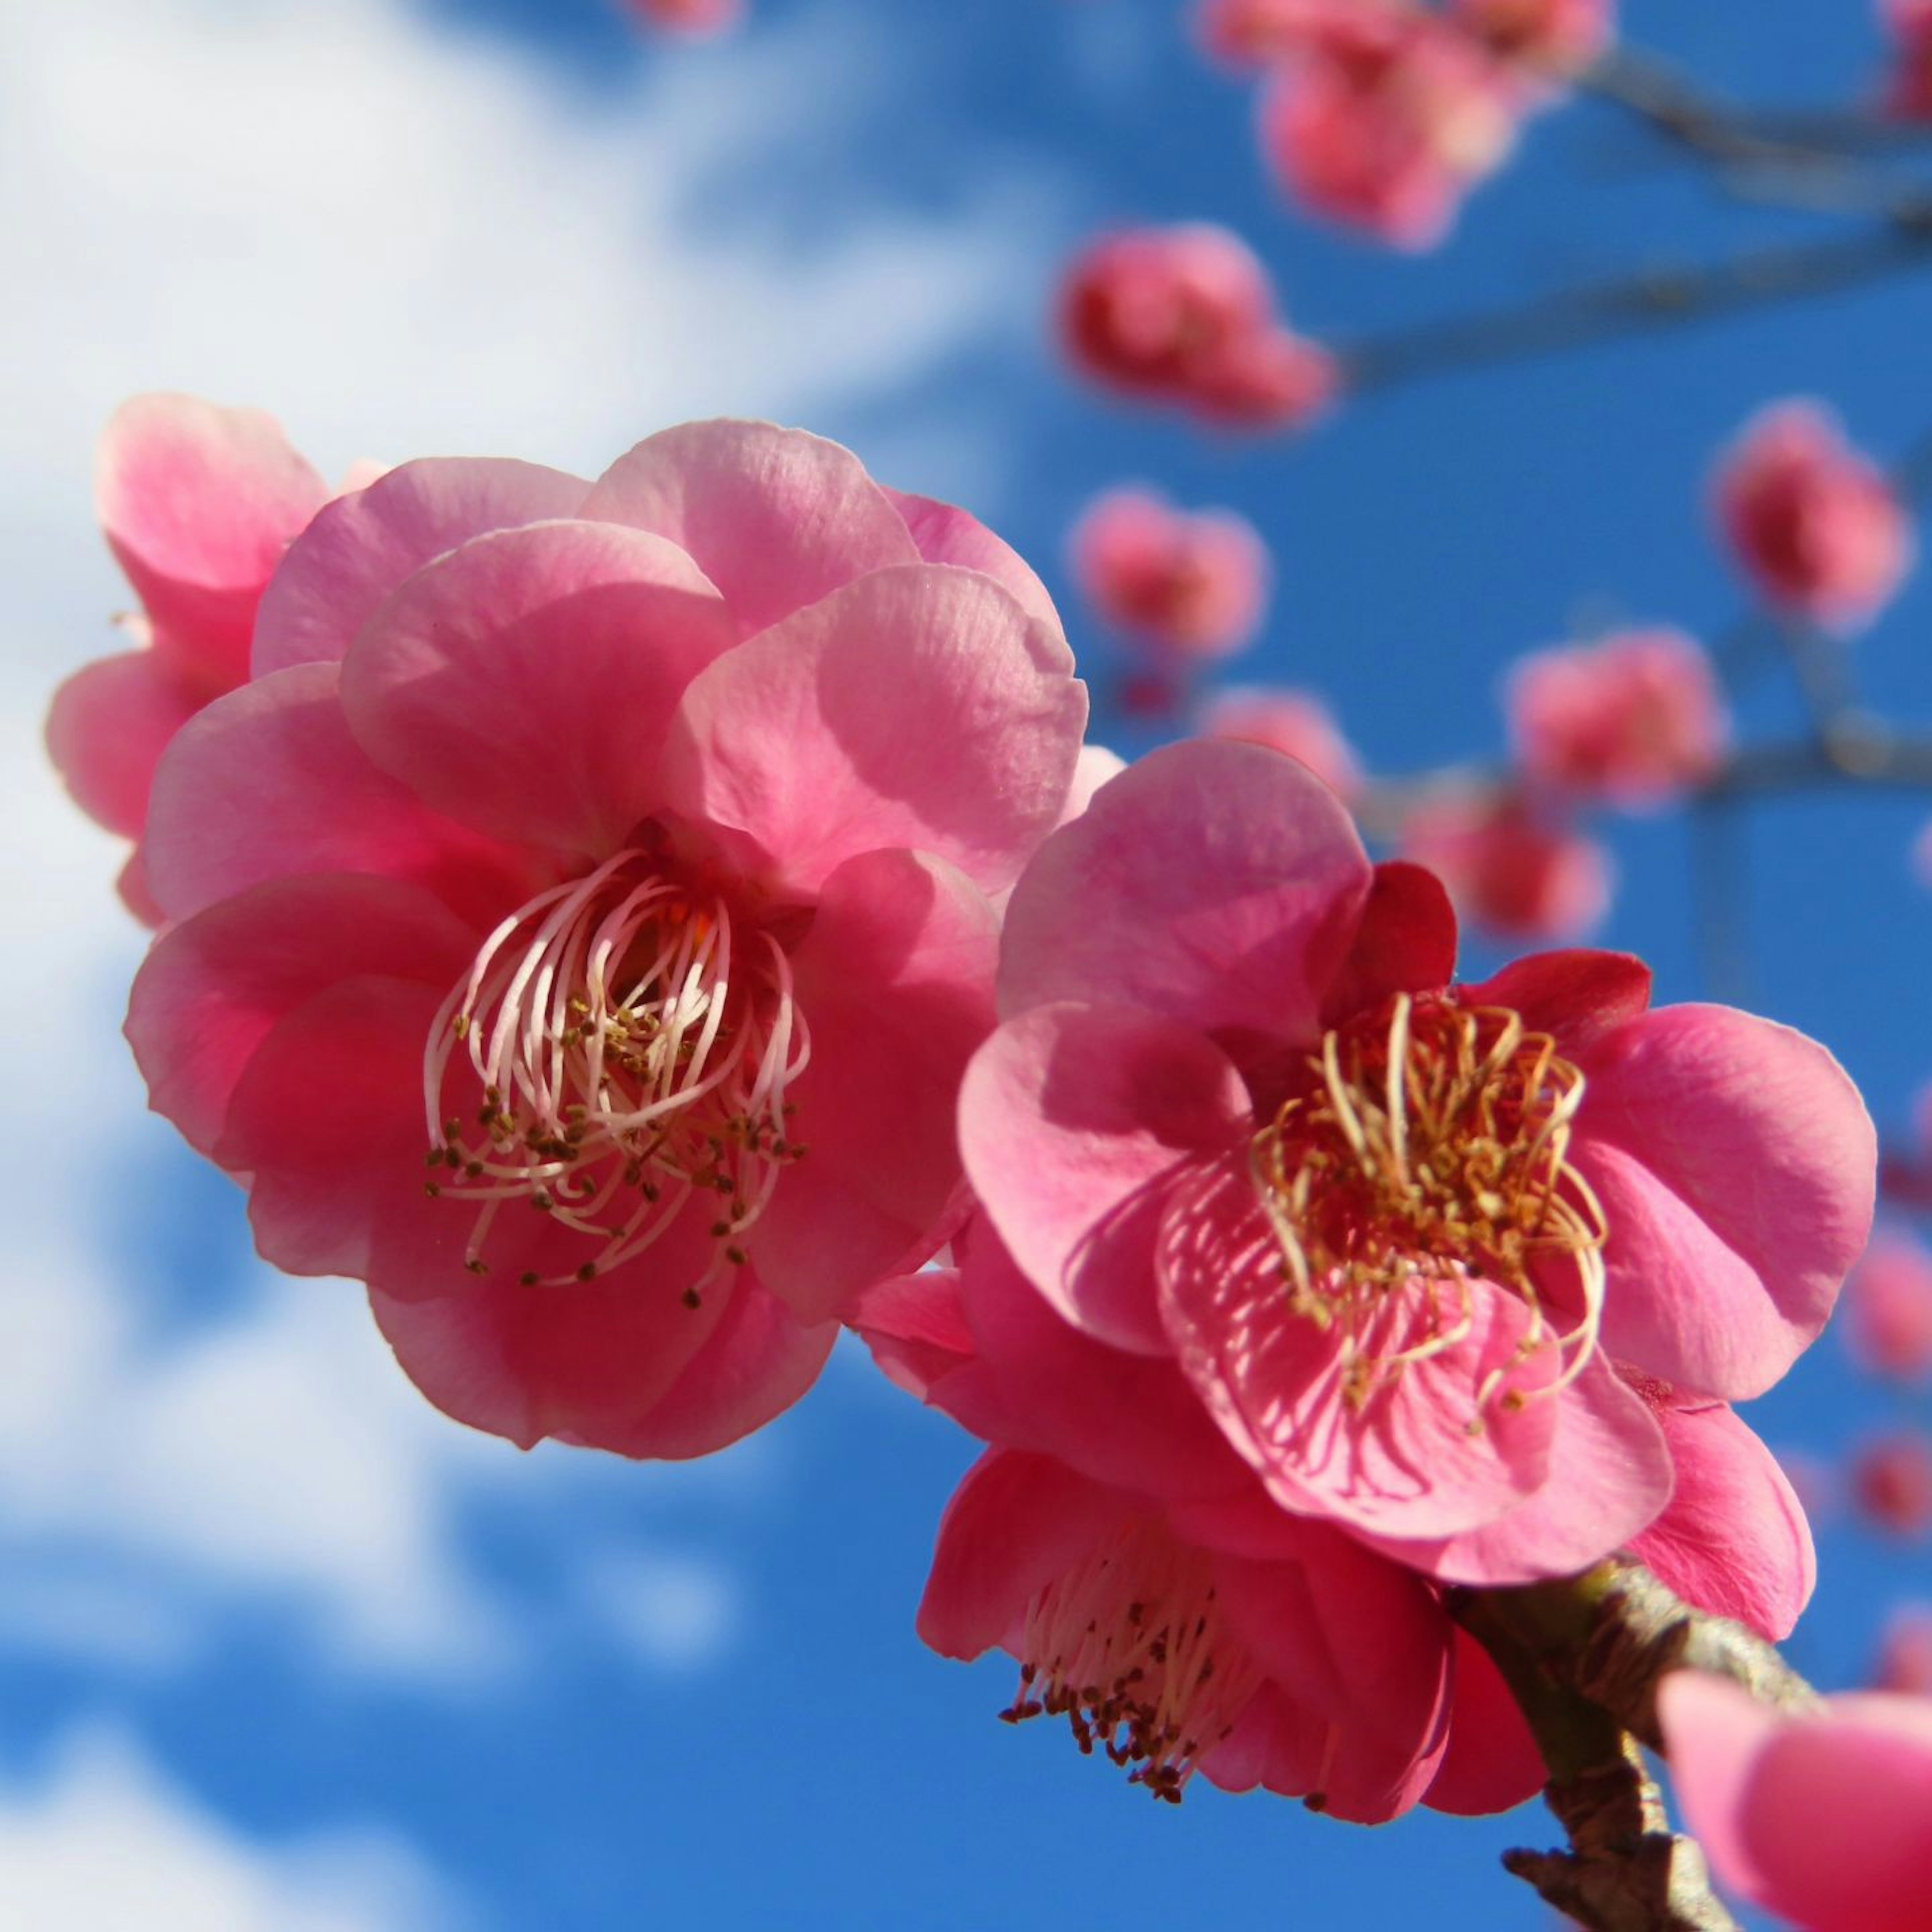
(1395, 1232)
(1243, 35)
(1635, 718)
(1905, 1653)
(622, 853)
(698, 19)
(1908, 89)
(1518, 871)
(1553, 40)
(1192, 585)
(198, 503)
(1888, 1320)
(1296, 722)
(1187, 315)
(1892, 1483)
(1822, 1816)
(1813, 522)
(1386, 119)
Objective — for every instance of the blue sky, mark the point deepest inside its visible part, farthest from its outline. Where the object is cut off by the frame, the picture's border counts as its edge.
(280, 1647)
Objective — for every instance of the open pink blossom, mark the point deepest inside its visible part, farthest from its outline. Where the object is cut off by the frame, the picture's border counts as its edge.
(1908, 84)
(1634, 717)
(1386, 119)
(1409, 1242)
(1511, 866)
(1892, 1483)
(1187, 315)
(1549, 41)
(1888, 1319)
(198, 503)
(1812, 521)
(583, 915)
(1296, 722)
(1821, 1816)
(1190, 584)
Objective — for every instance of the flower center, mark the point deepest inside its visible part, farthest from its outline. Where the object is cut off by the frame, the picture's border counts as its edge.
(1431, 1149)
(1130, 1647)
(634, 1052)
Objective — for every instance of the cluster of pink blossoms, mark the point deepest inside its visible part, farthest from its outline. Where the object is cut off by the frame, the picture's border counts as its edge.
(633, 925)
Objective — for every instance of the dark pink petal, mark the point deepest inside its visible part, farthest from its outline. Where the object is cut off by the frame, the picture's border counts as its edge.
(199, 503)
(136, 894)
(362, 546)
(1577, 995)
(1016, 1522)
(522, 683)
(1414, 1457)
(1492, 1763)
(1073, 1121)
(1734, 1540)
(109, 726)
(1736, 1163)
(1405, 944)
(775, 518)
(919, 707)
(1215, 883)
(946, 534)
(214, 986)
(269, 783)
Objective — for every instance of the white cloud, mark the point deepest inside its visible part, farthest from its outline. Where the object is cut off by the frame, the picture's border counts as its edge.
(103, 1840)
(673, 1613)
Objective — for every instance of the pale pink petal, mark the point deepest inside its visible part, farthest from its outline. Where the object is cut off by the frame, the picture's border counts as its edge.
(109, 726)
(1714, 1734)
(947, 534)
(1736, 1164)
(916, 1327)
(1218, 884)
(919, 707)
(1492, 1763)
(199, 503)
(522, 683)
(775, 518)
(1071, 1121)
(214, 986)
(894, 981)
(268, 782)
(363, 545)
(1406, 942)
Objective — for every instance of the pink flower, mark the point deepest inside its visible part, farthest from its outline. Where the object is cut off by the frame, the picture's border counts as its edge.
(1634, 718)
(1823, 1817)
(1394, 1231)
(1553, 40)
(1246, 33)
(1891, 1483)
(621, 852)
(1908, 91)
(1186, 315)
(1193, 586)
(1905, 1656)
(1295, 722)
(198, 503)
(1509, 867)
(1387, 117)
(1888, 1308)
(697, 18)
(1813, 522)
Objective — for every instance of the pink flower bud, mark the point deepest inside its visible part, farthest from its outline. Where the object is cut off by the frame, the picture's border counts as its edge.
(1888, 1308)
(1891, 1483)
(1510, 869)
(1296, 722)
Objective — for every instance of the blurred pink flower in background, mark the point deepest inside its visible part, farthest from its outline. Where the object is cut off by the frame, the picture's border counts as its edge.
(697, 18)
(1908, 84)
(1295, 722)
(1634, 718)
(1822, 1816)
(1888, 1314)
(596, 840)
(198, 503)
(1905, 1651)
(1553, 39)
(1812, 520)
(1244, 34)
(1187, 315)
(1521, 873)
(1890, 1483)
(1187, 584)
(1385, 118)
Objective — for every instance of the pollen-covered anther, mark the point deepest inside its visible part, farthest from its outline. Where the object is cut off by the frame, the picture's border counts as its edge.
(1431, 1146)
(634, 1049)
(1131, 1648)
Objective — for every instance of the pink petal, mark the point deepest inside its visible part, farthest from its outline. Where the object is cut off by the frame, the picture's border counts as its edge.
(1405, 944)
(1073, 1121)
(1734, 1540)
(1405, 1461)
(362, 546)
(1215, 883)
(915, 1325)
(109, 726)
(1577, 995)
(919, 707)
(1493, 1763)
(214, 986)
(522, 683)
(895, 982)
(947, 534)
(269, 783)
(775, 518)
(199, 503)
(1736, 1164)
(1714, 1734)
